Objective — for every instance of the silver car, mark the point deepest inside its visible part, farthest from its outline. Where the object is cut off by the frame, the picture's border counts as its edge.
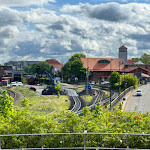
(139, 92)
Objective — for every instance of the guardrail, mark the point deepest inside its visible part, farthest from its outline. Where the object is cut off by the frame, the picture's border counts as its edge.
(71, 141)
(118, 99)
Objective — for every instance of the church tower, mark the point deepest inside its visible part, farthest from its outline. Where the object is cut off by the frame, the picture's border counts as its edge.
(123, 53)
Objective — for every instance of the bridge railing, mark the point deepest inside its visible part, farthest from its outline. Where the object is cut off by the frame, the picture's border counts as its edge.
(74, 141)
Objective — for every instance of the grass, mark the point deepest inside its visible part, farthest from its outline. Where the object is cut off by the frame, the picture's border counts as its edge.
(41, 105)
(87, 98)
(62, 102)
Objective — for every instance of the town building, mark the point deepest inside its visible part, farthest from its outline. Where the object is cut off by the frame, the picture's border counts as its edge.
(56, 65)
(101, 68)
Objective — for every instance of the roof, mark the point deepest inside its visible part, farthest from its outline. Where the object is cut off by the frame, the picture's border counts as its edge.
(122, 47)
(131, 61)
(131, 68)
(116, 64)
(139, 62)
(56, 64)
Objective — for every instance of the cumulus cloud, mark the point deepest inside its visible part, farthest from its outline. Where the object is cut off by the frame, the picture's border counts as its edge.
(24, 2)
(8, 17)
(41, 33)
(109, 12)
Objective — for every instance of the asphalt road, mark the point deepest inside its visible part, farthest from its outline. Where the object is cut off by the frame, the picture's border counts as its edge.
(139, 103)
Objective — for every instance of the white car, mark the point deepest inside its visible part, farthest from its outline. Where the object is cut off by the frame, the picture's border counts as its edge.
(13, 84)
(139, 92)
(19, 83)
(105, 82)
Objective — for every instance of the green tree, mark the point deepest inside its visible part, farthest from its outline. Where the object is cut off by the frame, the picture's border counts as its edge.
(23, 80)
(137, 59)
(128, 80)
(145, 58)
(39, 68)
(114, 78)
(58, 87)
(74, 66)
(6, 105)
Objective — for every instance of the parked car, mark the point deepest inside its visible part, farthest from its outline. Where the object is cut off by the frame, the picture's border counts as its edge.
(13, 84)
(19, 83)
(16, 84)
(139, 92)
(105, 82)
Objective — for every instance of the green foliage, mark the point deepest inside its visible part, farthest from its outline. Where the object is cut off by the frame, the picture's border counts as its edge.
(114, 78)
(6, 105)
(137, 59)
(23, 80)
(45, 81)
(128, 80)
(124, 80)
(99, 121)
(25, 102)
(75, 67)
(39, 68)
(145, 58)
(58, 87)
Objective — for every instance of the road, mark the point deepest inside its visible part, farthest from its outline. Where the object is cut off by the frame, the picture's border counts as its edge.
(139, 103)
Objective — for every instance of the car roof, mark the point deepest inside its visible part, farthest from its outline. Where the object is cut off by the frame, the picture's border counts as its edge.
(139, 90)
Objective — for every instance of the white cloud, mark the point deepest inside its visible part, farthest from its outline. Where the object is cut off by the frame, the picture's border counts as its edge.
(40, 33)
(24, 2)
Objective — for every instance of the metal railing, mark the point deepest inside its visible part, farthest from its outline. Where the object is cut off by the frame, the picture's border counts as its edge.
(119, 98)
(79, 140)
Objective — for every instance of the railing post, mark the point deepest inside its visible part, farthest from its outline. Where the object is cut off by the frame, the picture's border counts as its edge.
(0, 143)
(127, 140)
(84, 138)
(42, 141)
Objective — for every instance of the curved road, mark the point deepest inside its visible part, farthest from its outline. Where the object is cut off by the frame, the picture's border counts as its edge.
(139, 103)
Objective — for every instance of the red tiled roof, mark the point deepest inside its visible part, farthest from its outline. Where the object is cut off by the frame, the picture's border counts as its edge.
(129, 69)
(54, 63)
(94, 65)
(131, 61)
(122, 47)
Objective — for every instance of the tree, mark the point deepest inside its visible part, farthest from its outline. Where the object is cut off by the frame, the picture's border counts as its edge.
(114, 78)
(137, 59)
(39, 68)
(58, 87)
(77, 56)
(145, 58)
(128, 80)
(6, 105)
(74, 66)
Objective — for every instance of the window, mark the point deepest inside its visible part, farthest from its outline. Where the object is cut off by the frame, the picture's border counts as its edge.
(104, 61)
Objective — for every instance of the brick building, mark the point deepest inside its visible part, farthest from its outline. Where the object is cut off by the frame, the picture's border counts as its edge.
(101, 68)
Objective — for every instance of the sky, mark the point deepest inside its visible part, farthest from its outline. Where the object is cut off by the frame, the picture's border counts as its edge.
(36, 30)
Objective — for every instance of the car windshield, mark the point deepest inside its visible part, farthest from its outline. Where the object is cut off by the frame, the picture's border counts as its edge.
(139, 90)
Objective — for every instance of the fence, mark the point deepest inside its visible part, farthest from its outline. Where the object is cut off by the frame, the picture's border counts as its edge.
(74, 141)
(118, 99)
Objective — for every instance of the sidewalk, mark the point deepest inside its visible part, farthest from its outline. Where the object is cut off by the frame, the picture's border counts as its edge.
(127, 100)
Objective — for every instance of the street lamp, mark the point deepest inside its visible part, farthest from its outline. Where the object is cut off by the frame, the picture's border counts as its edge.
(87, 74)
(120, 63)
(110, 84)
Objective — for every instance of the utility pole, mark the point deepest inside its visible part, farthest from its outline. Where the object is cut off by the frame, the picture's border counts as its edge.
(87, 74)
(110, 84)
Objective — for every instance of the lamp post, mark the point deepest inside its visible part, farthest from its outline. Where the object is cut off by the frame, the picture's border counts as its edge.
(62, 71)
(110, 85)
(120, 63)
(87, 74)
